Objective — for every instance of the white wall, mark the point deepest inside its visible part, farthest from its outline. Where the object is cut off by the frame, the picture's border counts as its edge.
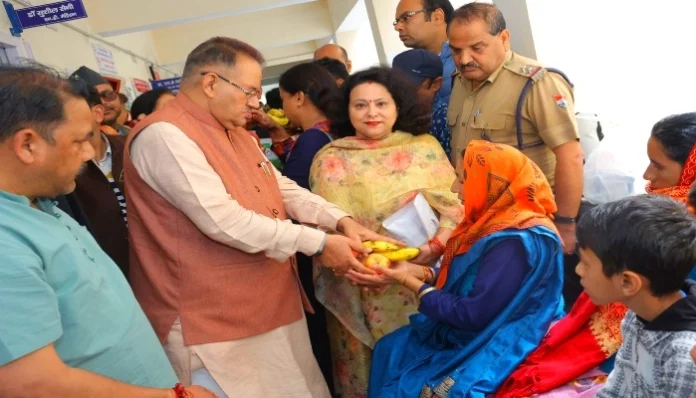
(67, 50)
(360, 45)
(630, 62)
(517, 20)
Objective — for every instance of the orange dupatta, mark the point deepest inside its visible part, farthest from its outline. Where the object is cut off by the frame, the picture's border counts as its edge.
(502, 189)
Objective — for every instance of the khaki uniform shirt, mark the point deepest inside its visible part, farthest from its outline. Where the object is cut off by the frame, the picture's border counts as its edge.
(488, 112)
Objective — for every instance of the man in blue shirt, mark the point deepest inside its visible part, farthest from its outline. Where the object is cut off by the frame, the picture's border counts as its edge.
(69, 323)
(422, 24)
(425, 70)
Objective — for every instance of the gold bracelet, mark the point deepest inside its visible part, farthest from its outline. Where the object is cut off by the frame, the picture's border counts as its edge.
(426, 291)
(424, 276)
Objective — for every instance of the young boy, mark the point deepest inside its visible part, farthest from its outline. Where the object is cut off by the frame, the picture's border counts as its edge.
(638, 251)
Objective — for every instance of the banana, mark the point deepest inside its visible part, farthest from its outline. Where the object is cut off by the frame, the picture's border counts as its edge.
(279, 116)
(379, 246)
(406, 254)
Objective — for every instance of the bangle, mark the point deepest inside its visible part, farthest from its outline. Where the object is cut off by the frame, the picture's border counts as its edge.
(436, 246)
(424, 292)
(428, 275)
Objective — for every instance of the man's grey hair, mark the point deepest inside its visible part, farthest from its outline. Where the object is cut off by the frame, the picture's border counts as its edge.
(488, 13)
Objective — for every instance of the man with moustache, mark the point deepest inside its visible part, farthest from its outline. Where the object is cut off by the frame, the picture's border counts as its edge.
(69, 324)
(212, 248)
(484, 102)
(113, 108)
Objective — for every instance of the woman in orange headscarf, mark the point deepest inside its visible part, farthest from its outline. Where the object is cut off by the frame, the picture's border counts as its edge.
(497, 293)
(672, 154)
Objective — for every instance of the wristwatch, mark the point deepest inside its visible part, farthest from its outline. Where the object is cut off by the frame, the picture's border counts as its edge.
(563, 220)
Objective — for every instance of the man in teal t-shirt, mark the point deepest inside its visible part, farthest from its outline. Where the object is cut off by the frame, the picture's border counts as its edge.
(69, 323)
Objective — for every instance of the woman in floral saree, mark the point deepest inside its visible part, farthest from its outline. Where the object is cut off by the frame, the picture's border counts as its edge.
(496, 295)
(385, 159)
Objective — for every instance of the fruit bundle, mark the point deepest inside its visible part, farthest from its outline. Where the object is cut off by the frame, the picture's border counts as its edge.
(384, 253)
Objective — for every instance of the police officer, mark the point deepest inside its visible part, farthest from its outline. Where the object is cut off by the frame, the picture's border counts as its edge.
(484, 104)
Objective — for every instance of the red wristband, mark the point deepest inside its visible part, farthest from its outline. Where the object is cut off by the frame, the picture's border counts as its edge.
(181, 392)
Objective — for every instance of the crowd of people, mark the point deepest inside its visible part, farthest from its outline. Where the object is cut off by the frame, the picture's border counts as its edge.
(166, 256)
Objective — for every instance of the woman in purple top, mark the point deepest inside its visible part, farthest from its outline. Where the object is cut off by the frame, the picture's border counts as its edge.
(311, 99)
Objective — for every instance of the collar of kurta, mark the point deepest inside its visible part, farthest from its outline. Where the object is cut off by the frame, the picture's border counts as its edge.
(45, 205)
(198, 112)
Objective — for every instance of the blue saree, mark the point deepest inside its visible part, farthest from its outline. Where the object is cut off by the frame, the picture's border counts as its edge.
(429, 358)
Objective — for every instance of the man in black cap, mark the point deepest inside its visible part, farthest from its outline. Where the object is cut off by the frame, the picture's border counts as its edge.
(425, 70)
(112, 103)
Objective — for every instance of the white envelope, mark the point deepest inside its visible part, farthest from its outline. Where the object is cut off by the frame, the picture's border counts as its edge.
(415, 223)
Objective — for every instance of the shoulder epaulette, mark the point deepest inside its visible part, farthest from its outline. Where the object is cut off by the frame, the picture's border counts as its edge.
(534, 72)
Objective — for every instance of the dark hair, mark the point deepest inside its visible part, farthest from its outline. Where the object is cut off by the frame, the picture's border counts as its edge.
(677, 134)
(434, 5)
(273, 99)
(412, 117)
(692, 196)
(488, 13)
(335, 67)
(317, 84)
(33, 96)
(651, 235)
(218, 50)
(86, 91)
(145, 103)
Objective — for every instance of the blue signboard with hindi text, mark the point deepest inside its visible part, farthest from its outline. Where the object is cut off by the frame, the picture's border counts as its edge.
(170, 84)
(52, 13)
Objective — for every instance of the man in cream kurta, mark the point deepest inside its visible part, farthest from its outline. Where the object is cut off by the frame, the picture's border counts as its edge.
(183, 169)
(175, 167)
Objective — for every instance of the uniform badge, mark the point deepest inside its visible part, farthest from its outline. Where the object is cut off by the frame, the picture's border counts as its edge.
(526, 70)
(560, 101)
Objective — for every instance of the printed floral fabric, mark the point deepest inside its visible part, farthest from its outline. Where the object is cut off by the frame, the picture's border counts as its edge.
(371, 180)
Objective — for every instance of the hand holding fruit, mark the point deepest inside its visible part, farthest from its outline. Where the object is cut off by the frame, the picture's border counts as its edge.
(339, 254)
(352, 229)
(427, 256)
(397, 273)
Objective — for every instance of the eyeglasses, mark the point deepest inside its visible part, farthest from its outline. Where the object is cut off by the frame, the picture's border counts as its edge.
(406, 16)
(249, 93)
(108, 95)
